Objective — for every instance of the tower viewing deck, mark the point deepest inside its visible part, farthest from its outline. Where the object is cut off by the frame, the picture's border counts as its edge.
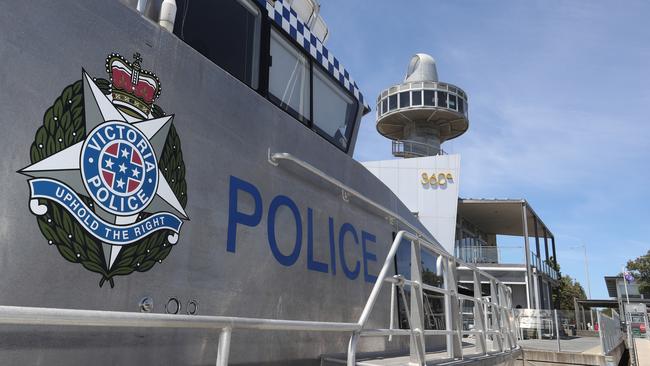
(421, 113)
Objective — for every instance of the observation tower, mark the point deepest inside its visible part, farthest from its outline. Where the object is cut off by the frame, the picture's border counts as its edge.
(421, 113)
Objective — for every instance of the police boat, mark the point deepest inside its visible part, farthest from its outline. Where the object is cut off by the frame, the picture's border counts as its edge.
(178, 188)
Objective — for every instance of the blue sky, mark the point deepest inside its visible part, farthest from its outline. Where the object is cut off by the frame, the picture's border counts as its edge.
(558, 95)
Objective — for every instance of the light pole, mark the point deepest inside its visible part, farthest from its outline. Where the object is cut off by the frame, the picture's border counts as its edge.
(584, 248)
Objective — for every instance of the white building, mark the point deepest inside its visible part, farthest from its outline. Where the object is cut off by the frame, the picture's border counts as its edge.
(419, 115)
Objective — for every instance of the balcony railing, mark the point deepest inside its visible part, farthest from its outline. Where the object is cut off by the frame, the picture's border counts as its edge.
(543, 266)
(491, 254)
(504, 255)
(414, 149)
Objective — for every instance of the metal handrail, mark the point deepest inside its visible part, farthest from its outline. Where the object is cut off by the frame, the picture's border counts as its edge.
(421, 239)
(20, 315)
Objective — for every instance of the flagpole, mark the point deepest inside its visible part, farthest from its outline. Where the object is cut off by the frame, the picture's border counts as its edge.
(627, 296)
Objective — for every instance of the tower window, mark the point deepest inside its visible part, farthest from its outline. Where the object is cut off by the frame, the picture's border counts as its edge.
(452, 101)
(392, 102)
(416, 97)
(404, 99)
(442, 99)
(429, 97)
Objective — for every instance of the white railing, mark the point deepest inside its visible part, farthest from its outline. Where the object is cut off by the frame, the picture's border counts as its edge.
(502, 325)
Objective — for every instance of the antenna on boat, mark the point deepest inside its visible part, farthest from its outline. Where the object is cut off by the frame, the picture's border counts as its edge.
(167, 14)
(309, 13)
(421, 113)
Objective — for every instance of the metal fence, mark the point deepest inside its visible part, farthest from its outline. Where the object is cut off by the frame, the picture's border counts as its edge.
(556, 330)
(609, 329)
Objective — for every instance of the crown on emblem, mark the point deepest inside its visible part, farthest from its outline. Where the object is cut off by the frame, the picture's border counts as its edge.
(134, 89)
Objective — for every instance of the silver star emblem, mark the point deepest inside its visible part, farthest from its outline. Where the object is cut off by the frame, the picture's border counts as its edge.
(64, 165)
(136, 173)
(120, 183)
(122, 168)
(109, 163)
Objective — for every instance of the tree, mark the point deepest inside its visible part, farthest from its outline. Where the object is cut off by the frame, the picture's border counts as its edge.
(640, 269)
(568, 289)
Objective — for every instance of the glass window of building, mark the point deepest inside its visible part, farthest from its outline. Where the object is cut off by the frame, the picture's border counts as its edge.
(461, 105)
(429, 97)
(289, 84)
(452, 101)
(442, 99)
(416, 97)
(384, 105)
(226, 32)
(404, 99)
(334, 110)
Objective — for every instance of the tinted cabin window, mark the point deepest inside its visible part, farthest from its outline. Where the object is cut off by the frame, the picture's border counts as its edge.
(384, 106)
(289, 78)
(334, 110)
(224, 31)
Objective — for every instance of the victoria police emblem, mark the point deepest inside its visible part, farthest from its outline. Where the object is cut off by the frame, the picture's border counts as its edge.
(107, 177)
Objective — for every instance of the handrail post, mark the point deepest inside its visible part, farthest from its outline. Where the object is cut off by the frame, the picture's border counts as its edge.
(498, 315)
(480, 313)
(352, 349)
(454, 347)
(223, 351)
(417, 306)
(557, 330)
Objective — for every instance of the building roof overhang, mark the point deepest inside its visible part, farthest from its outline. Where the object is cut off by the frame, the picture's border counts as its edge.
(610, 281)
(502, 216)
(606, 303)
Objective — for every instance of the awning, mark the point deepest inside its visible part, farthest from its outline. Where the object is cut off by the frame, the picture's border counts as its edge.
(501, 216)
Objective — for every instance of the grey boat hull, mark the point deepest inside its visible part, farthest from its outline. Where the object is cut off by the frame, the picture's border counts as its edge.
(226, 131)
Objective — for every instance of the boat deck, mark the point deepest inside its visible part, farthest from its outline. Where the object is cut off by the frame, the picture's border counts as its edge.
(586, 345)
(586, 351)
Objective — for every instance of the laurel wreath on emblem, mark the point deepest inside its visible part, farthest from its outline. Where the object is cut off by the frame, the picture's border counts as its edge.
(63, 126)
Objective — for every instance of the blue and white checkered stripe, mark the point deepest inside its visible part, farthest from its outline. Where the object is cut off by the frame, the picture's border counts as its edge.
(282, 14)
